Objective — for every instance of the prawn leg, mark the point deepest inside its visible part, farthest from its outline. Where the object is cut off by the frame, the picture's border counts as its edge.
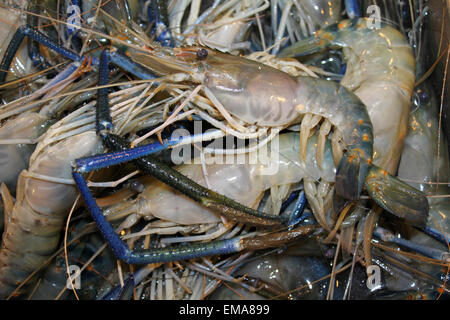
(218, 203)
(122, 293)
(297, 213)
(439, 235)
(125, 292)
(28, 31)
(430, 252)
(182, 252)
(116, 57)
(34, 53)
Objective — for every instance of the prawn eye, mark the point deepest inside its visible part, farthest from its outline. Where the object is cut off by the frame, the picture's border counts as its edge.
(202, 53)
(423, 96)
(137, 186)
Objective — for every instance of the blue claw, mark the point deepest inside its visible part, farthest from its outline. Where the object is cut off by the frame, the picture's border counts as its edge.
(84, 165)
(430, 252)
(297, 215)
(289, 200)
(125, 292)
(37, 36)
(122, 252)
(33, 48)
(441, 236)
(122, 293)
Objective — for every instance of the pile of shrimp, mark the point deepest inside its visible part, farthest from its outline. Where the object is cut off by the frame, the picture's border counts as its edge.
(353, 95)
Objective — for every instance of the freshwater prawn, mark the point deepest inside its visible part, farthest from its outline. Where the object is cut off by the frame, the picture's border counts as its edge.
(380, 71)
(223, 25)
(263, 96)
(208, 70)
(26, 118)
(272, 98)
(32, 228)
(245, 182)
(170, 212)
(425, 161)
(301, 18)
(227, 79)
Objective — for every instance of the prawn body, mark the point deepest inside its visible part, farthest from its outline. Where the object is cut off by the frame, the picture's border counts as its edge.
(267, 97)
(253, 93)
(380, 71)
(246, 183)
(14, 157)
(32, 228)
(385, 70)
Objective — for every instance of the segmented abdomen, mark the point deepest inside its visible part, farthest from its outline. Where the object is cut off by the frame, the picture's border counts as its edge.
(34, 226)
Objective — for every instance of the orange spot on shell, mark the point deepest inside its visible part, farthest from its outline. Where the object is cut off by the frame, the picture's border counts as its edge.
(328, 36)
(360, 151)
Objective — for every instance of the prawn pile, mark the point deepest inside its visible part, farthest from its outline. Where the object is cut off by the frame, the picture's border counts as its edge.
(252, 149)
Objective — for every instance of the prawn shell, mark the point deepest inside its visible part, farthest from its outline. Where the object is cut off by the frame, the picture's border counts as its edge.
(397, 197)
(49, 198)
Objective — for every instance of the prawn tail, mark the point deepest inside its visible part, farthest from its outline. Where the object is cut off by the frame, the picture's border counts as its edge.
(397, 197)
